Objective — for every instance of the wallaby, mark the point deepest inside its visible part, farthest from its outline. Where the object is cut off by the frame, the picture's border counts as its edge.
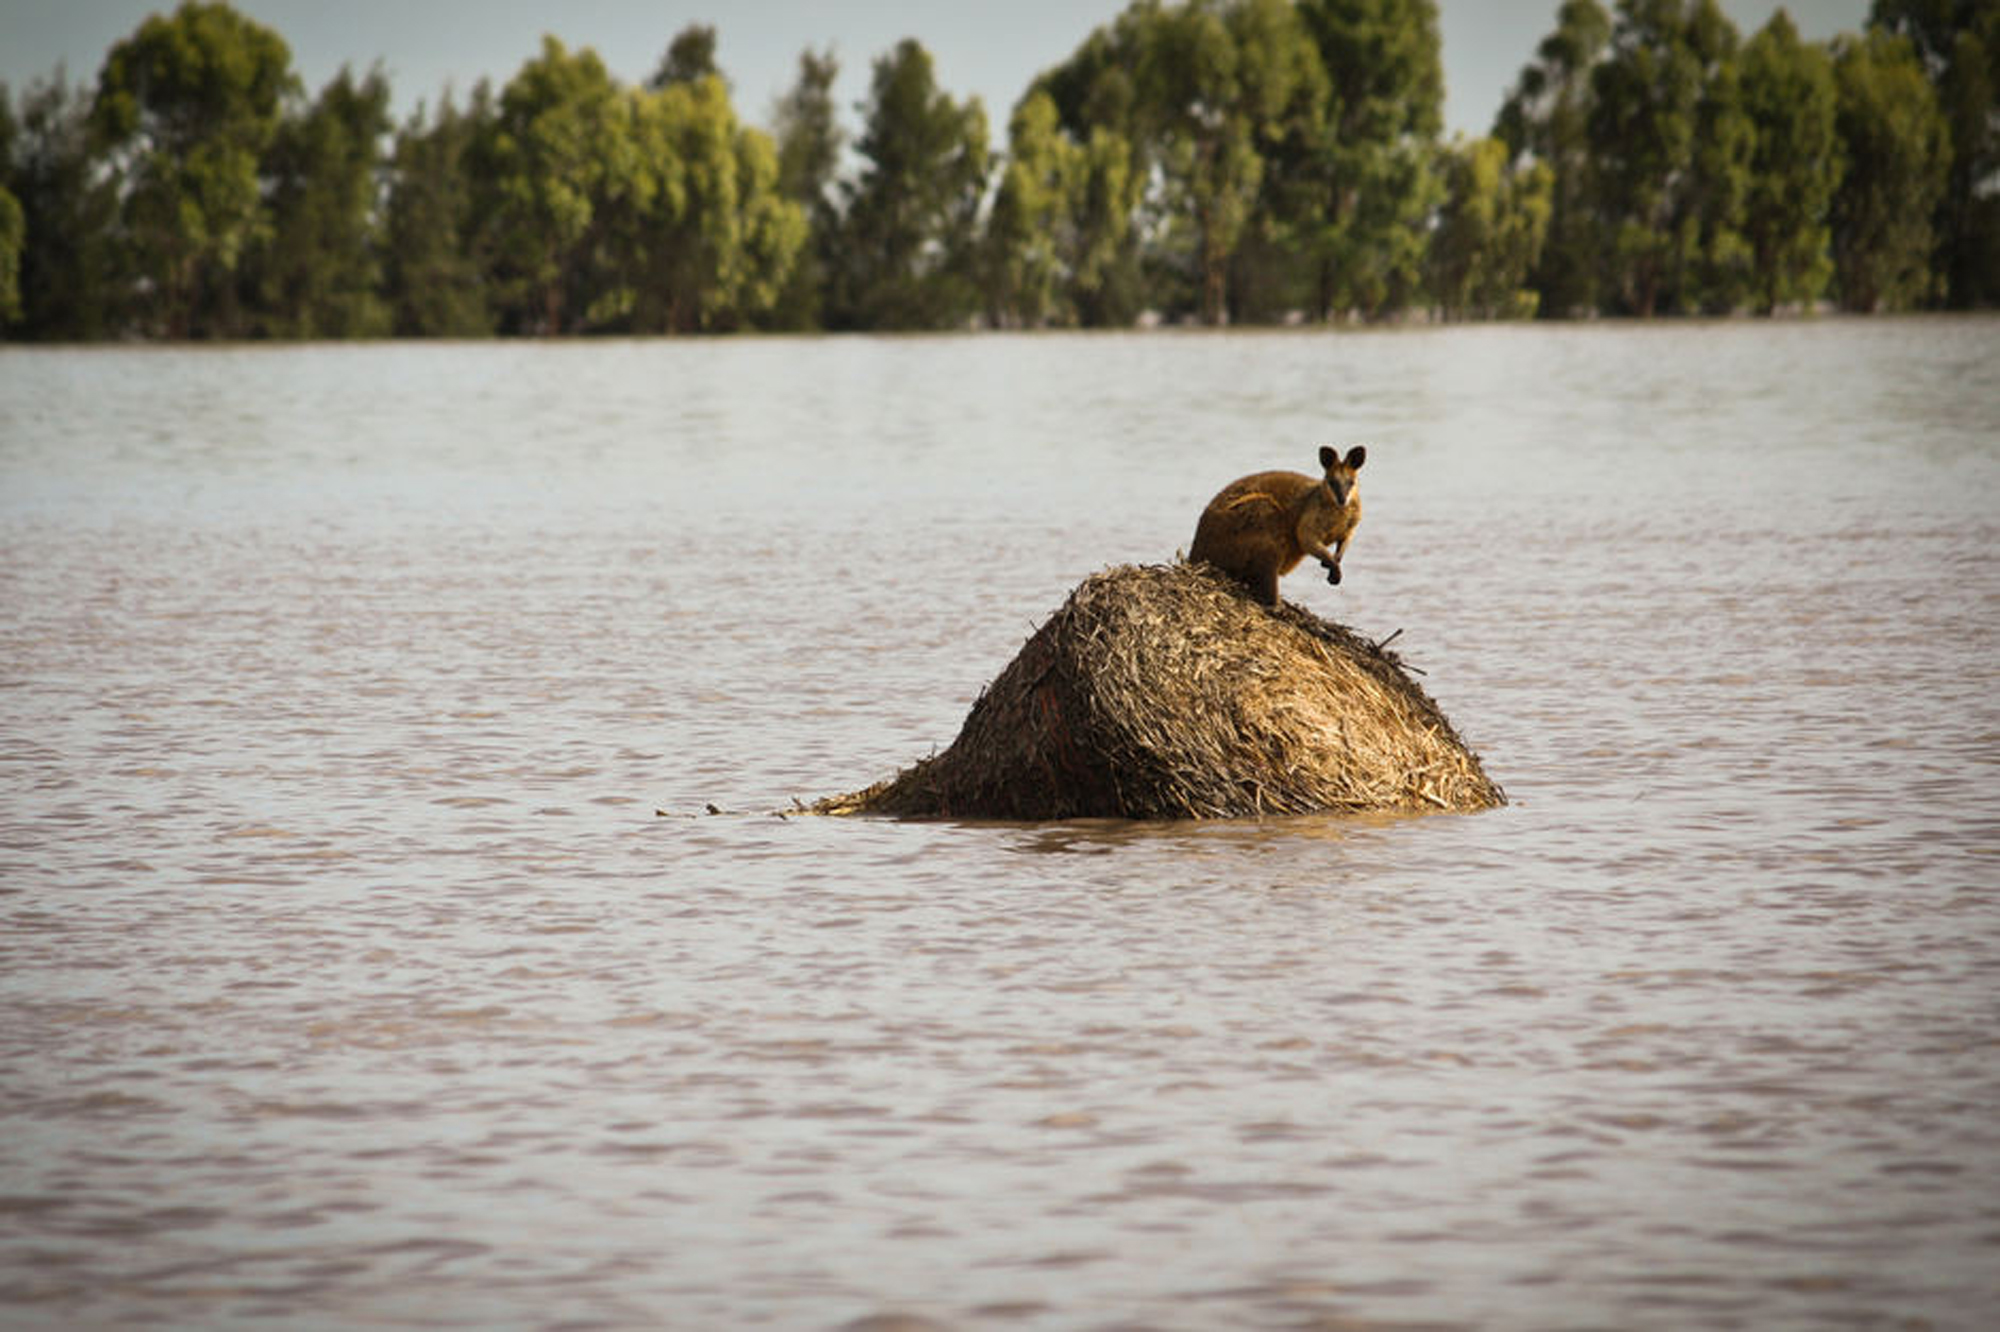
(1261, 526)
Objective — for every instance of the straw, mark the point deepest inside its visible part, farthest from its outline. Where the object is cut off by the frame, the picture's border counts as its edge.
(1168, 692)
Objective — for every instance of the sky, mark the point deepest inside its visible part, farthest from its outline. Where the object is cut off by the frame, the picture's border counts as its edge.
(981, 48)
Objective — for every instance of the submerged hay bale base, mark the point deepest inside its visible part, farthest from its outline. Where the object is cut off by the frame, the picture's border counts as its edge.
(1167, 692)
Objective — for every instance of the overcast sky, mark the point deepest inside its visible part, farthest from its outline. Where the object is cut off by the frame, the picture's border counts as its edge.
(991, 48)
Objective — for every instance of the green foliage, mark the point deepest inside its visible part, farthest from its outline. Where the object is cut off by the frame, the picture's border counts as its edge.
(185, 109)
(1105, 263)
(1958, 42)
(1788, 94)
(1113, 219)
(1369, 164)
(1894, 139)
(1490, 229)
(1231, 84)
(1213, 160)
(809, 143)
(1669, 148)
(1030, 235)
(1062, 242)
(13, 222)
(1725, 140)
(690, 58)
(13, 235)
(908, 255)
(70, 282)
(556, 153)
(434, 273)
(634, 210)
(774, 232)
(1283, 150)
(316, 272)
(1546, 117)
(808, 134)
(710, 236)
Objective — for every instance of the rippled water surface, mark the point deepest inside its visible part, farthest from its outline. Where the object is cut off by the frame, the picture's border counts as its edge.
(369, 956)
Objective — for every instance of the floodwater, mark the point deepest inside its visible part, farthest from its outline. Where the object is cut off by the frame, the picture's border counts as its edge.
(369, 954)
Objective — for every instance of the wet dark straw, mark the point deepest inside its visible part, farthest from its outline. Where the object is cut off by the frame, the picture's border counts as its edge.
(1167, 692)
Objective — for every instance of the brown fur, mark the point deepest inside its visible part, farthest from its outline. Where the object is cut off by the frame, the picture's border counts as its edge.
(1258, 528)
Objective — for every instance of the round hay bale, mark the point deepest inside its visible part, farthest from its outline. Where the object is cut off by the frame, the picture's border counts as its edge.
(1167, 692)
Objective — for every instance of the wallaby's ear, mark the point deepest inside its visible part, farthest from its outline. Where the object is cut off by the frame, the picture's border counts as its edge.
(1328, 456)
(1356, 456)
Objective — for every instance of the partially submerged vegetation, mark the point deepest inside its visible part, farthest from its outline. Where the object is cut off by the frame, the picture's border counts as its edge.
(1240, 161)
(1169, 692)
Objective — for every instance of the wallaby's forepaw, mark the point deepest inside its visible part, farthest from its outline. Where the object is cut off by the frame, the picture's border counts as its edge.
(1332, 573)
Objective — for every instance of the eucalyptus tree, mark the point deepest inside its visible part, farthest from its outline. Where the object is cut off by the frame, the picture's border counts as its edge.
(1788, 95)
(1894, 139)
(689, 58)
(1179, 111)
(612, 208)
(1028, 232)
(809, 141)
(13, 221)
(1718, 279)
(317, 269)
(1114, 215)
(71, 276)
(707, 236)
(1490, 231)
(1368, 163)
(908, 252)
(808, 133)
(1669, 149)
(1105, 263)
(1229, 81)
(771, 230)
(1546, 117)
(434, 270)
(1958, 42)
(557, 152)
(1061, 242)
(13, 237)
(185, 109)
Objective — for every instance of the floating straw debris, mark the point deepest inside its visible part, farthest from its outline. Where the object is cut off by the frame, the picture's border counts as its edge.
(1167, 692)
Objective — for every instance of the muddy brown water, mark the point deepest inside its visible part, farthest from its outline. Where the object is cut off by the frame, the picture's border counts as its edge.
(349, 976)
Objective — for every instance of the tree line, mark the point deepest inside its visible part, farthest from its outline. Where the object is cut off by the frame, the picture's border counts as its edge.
(1240, 161)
